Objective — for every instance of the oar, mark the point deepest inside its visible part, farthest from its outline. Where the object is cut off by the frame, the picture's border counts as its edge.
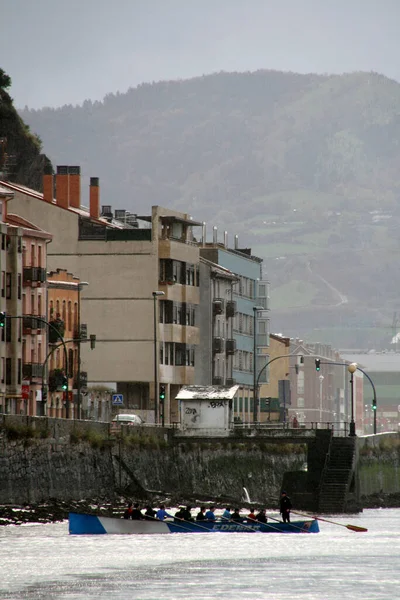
(291, 524)
(176, 524)
(355, 528)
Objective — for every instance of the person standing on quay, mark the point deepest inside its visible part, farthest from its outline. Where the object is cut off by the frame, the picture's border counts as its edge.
(285, 506)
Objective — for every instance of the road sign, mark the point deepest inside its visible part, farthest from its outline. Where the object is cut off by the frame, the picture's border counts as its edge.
(117, 399)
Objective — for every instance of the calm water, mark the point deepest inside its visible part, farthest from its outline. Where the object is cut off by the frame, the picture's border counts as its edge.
(44, 562)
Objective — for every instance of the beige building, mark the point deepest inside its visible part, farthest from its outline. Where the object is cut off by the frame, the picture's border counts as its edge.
(124, 261)
(279, 346)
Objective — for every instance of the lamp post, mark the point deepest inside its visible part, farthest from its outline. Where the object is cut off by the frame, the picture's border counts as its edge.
(321, 380)
(255, 381)
(156, 294)
(81, 284)
(352, 368)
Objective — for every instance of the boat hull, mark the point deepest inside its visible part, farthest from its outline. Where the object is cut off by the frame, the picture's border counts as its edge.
(83, 524)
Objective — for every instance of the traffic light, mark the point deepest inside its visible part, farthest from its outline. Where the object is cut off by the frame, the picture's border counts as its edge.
(162, 393)
(2, 319)
(64, 383)
(374, 404)
(317, 364)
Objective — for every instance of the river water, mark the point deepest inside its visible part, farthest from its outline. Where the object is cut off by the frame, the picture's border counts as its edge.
(44, 562)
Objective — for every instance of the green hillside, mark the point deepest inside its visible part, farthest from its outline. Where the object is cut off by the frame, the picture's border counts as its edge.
(20, 151)
(304, 168)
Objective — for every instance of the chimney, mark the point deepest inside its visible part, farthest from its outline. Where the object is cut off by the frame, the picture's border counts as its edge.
(62, 188)
(74, 186)
(215, 235)
(236, 242)
(225, 239)
(203, 234)
(48, 184)
(94, 198)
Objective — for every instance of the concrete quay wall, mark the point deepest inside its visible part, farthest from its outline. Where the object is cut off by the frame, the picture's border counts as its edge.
(379, 469)
(43, 459)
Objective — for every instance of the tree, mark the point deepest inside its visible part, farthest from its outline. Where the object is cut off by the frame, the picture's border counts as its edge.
(5, 80)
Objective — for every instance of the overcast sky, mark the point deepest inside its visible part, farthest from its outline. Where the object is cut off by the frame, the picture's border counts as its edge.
(65, 51)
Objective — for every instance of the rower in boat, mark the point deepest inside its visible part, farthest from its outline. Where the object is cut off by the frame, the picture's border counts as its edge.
(235, 516)
(261, 517)
(201, 514)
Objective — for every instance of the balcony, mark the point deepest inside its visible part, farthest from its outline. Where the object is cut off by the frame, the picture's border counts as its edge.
(230, 347)
(32, 324)
(218, 345)
(56, 331)
(31, 370)
(218, 306)
(218, 381)
(231, 309)
(34, 276)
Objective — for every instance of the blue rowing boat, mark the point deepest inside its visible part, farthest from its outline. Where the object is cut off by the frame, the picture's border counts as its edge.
(84, 524)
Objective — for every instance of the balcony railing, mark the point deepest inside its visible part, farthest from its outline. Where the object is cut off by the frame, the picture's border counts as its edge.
(33, 324)
(31, 370)
(230, 347)
(34, 276)
(218, 345)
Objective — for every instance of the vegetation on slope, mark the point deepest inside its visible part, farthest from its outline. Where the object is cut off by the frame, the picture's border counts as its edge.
(20, 151)
(303, 167)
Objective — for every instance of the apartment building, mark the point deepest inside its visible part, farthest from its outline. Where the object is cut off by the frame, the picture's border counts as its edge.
(125, 259)
(217, 310)
(250, 322)
(23, 299)
(63, 297)
(275, 394)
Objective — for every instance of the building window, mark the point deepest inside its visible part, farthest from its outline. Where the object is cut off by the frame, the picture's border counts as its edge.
(69, 315)
(70, 363)
(64, 311)
(3, 284)
(19, 286)
(8, 285)
(8, 371)
(3, 370)
(51, 309)
(19, 371)
(20, 244)
(33, 257)
(39, 305)
(58, 309)
(39, 256)
(32, 311)
(76, 319)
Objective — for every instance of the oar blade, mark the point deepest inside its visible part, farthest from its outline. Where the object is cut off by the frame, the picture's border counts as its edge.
(356, 528)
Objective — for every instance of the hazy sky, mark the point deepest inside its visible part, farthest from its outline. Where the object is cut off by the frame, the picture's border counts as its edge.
(65, 51)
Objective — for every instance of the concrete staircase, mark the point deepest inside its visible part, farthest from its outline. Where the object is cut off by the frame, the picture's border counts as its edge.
(338, 476)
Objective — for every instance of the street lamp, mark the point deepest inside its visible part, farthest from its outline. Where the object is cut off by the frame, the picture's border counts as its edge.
(255, 382)
(321, 379)
(156, 294)
(352, 368)
(81, 285)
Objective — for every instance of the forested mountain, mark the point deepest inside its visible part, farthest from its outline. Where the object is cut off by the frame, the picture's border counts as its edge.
(305, 168)
(20, 151)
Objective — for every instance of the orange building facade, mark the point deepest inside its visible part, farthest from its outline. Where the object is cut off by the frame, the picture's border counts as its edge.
(63, 314)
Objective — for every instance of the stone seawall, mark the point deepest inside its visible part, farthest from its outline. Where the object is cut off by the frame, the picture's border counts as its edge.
(379, 470)
(42, 459)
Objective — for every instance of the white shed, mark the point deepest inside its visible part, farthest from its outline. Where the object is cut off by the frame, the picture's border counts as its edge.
(206, 409)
